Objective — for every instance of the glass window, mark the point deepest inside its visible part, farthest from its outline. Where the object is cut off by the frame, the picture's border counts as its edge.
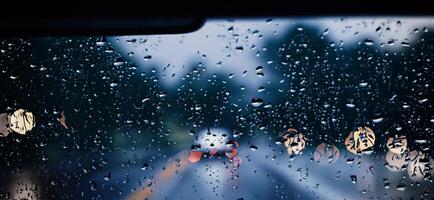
(285, 108)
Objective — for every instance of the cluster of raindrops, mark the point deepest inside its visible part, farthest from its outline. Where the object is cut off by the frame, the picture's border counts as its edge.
(419, 164)
(110, 112)
(294, 141)
(326, 154)
(360, 141)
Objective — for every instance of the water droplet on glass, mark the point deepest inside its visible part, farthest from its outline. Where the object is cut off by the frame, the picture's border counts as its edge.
(420, 141)
(401, 187)
(145, 166)
(353, 179)
(119, 62)
(131, 41)
(405, 44)
(422, 100)
(109, 50)
(350, 105)
(377, 120)
(386, 183)
(256, 102)
(145, 99)
(147, 57)
(268, 106)
(162, 94)
(363, 84)
(108, 176)
(93, 185)
(100, 42)
(369, 42)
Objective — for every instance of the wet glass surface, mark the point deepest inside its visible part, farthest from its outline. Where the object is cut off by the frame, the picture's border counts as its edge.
(289, 108)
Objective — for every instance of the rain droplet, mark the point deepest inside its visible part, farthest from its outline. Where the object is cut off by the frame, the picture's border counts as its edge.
(132, 41)
(108, 176)
(405, 44)
(145, 166)
(369, 42)
(422, 100)
(420, 141)
(401, 187)
(100, 42)
(256, 102)
(353, 179)
(119, 62)
(363, 84)
(350, 105)
(377, 120)
(259, 71)
(93, 185)
(253, 147)
(145, 99)
(147, 57)
(386, 183)
(326, 31)
(378, 29)
(162, 94)
(391, 42)
(109, 50)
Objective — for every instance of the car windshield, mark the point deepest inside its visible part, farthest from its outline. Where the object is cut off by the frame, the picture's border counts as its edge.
(260, 108)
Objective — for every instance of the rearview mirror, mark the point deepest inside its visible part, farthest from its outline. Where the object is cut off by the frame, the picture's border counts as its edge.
(80, 26)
